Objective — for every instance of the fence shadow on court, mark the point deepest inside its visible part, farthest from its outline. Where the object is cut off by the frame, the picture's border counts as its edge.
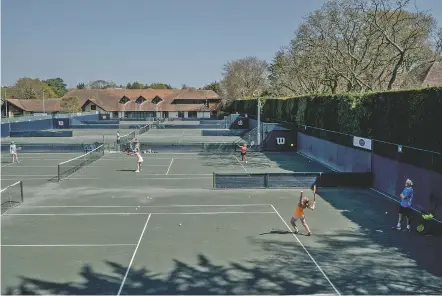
(377, 221)
(295, 162)
(357, 264)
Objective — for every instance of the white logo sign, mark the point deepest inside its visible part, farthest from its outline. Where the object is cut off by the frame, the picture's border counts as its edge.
(362, 143)
(240, 122)
(280, 141)
(60, 123)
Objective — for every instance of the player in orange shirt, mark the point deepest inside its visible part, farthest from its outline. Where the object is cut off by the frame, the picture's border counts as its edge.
(298, 214)
(243, 152)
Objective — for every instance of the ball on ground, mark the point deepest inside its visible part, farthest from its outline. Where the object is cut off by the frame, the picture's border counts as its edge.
(386, 213)
(181, 224)
(291, 145)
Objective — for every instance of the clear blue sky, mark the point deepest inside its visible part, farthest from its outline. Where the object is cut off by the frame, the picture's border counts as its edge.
(171, 41)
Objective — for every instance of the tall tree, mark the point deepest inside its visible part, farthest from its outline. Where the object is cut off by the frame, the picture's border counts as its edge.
(244, 76)
(406, 33)
(214, 86)
(135, 85)
(29, 88)
(354, 45)
(101, 84)
(71, 104)
(158, 85)
(57, 85)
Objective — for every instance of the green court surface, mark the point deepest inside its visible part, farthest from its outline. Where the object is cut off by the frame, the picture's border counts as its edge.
(109, 230)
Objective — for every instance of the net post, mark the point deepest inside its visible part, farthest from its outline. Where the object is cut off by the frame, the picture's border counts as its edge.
(213, 181)
(58, 172)
(266, 180)
(21, 191)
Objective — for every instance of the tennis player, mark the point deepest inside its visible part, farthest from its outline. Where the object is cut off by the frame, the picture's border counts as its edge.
(406, 196)
(13, 152)
(244, 152)
(140, 159)
(303, 203)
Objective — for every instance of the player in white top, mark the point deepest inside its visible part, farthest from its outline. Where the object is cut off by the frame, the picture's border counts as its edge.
(13, 152)
(139, 158)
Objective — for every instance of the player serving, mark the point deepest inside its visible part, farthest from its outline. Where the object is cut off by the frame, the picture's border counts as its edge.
(298, 214)
(137, 153)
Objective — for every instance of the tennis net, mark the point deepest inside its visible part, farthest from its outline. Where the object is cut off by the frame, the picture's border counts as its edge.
(12, 195)
(67, 168)
(144, 129)
(127, 138)
(290, 180)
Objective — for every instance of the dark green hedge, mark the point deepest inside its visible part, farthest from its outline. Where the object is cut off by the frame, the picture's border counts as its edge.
(409, 117)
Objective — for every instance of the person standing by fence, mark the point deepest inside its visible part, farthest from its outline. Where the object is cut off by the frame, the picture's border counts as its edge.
(406, 201)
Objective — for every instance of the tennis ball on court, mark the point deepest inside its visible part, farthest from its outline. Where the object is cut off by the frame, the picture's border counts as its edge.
(291, 145)
(386, 213)
(181, 224)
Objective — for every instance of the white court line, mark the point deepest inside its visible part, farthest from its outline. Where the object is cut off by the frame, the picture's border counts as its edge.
(38, 175)
(133, 256)
(169, 167)
(90, 166)
(373, 189)
(168, 206)
(73, 245)
(123, 214)
(305, 249)
(44, 159)
(139, 177)
(7, 165)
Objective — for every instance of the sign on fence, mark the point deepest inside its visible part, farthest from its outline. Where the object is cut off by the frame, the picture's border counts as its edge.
(363, 143)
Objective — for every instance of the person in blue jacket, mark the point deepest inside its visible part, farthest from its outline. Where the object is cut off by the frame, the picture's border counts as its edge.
(406, 202)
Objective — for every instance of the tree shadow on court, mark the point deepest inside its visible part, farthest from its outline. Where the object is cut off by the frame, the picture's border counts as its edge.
(272, 276)
(355, 262)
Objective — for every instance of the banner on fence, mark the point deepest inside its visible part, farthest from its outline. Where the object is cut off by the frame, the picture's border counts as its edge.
(362, 143)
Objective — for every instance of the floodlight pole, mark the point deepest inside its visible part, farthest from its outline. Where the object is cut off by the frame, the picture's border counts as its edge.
(6, 103)
(259, 122)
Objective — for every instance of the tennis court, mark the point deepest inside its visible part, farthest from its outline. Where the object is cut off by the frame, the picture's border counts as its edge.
(108, 230)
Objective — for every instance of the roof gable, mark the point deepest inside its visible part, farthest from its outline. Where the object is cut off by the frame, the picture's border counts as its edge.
(124, 100)
(140, 100)
(156, 100)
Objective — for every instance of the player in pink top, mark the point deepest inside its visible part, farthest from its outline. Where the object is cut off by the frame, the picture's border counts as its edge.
(139, 158)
